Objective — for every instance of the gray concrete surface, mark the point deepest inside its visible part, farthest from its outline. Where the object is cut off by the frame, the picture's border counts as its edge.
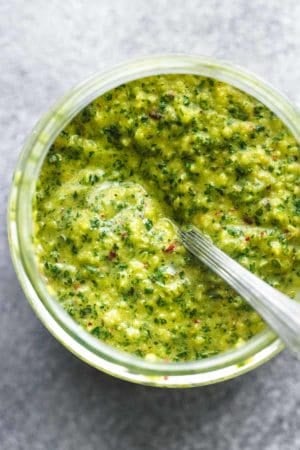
(48, 398)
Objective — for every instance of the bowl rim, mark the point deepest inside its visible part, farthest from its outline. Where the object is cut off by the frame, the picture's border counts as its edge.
(96, 353)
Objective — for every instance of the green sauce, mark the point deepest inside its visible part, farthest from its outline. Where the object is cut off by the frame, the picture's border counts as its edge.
(135, 164)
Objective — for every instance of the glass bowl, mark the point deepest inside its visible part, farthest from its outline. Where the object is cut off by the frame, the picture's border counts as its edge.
(214, 369)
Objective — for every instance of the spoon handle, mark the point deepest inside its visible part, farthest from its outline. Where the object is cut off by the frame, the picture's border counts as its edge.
(279, 311)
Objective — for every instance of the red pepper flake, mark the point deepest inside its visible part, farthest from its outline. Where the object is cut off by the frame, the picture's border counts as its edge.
(76, 286)
(155, 115)
(112, 255)
(166, 377)
(197, 321)
(170, 248)
(247, 238)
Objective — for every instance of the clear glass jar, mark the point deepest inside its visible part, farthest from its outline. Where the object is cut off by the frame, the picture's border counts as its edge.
(230, 364)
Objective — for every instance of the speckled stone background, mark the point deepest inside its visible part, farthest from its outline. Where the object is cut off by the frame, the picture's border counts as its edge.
(49, 400)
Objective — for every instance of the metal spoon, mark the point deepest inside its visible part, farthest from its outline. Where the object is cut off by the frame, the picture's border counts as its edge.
(278, 310)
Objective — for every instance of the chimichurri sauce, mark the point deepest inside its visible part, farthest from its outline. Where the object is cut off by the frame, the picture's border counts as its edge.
(138, 162)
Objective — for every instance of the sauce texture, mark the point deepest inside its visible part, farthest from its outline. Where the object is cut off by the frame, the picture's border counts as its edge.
(141, 160)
